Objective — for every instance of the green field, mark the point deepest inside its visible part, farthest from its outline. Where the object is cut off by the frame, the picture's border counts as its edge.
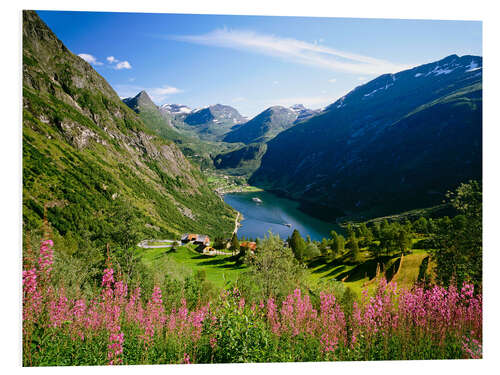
(222, 270)
(360, 276)
(219, 269)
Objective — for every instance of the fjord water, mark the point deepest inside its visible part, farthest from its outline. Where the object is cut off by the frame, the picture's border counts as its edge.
(272, 215)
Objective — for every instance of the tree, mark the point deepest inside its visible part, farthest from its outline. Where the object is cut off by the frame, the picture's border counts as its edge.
(272, 272)
(298, 245)
(355, 255)
(421, 225)
(311, 250)
(339, 245)
(235, 244)
(366, 234)
(218, 243)
(375, 250)
(459, 251)
(376, 229)
(333, 239)
(323, 247)
(404, 241)
(350, 231)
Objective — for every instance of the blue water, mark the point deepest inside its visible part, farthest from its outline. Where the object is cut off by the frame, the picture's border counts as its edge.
(272, 215)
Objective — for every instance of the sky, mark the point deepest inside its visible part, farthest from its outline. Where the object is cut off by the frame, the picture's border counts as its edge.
(253, 62)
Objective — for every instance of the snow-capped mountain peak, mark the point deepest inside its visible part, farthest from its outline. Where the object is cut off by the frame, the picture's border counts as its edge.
(176, 109)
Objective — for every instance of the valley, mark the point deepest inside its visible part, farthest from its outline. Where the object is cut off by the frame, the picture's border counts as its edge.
(275, 228)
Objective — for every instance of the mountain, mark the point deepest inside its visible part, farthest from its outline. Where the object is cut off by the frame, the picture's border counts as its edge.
(303, 113)
(150, 113)
(167, 125)
(264, 126)
(212, 122)
(140, 102)
(175, 109)
(92, 164)
(242, 161)
(397, 142)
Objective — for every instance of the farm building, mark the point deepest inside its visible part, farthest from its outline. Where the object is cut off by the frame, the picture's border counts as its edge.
(199, 239)
(252, 246)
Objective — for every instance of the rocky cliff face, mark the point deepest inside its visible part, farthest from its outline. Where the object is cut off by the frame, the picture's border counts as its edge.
(84, 146)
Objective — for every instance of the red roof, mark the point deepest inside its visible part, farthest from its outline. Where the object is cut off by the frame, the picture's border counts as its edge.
(250, 245)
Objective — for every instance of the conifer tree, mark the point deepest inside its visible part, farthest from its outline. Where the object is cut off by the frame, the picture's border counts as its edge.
(235, 244)
(298, 245)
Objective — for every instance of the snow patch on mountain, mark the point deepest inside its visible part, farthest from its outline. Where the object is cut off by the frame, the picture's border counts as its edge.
(176, 109)
(387, 85)
(473, 66)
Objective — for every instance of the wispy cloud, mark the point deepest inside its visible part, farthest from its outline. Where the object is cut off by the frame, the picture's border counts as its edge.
(157, 94)
(111, 59)
(332, 80)
(292, 50)
(238, 99)
(90, 59)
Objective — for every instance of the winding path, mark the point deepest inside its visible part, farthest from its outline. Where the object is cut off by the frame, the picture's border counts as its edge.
(236, 223)
(168, 244)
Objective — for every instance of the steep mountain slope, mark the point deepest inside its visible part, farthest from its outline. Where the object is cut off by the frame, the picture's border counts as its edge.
(152, 116)
(159, 120)
(100, 173)
(395, 143)
(211, 123)
(242, 161)
(264, 126)
(303, 113)
(175, 109)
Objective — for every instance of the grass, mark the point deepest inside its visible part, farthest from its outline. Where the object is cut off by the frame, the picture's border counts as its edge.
(227, 183)
(358, 276)
(160, 243)
(219, 269)
(222, 269)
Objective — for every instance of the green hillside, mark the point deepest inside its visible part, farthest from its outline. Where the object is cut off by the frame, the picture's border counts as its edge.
(396, 143)
(100, 173)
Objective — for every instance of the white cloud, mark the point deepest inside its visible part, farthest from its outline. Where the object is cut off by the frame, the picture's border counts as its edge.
(332, 80)
(165, 90)
(111, 59)
(293, 50)
(90, 59)
(238, 99)
(123, 65)
(361, 78)
(275, 83)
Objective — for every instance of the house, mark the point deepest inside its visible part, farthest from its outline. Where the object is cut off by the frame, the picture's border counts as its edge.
(202, 239)
(188, 237)
(208, 250)
(199, 239)
(252, 246)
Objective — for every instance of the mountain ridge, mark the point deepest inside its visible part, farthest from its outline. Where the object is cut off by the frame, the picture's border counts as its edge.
(329, 169)
(92, 166)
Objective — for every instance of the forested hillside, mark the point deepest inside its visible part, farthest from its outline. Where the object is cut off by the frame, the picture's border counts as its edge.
(101, 175)
(395, 143)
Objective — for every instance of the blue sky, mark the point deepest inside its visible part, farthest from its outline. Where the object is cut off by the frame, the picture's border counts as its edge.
(253, 62)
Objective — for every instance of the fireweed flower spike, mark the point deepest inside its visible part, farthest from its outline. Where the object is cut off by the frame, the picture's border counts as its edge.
(441, 317)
